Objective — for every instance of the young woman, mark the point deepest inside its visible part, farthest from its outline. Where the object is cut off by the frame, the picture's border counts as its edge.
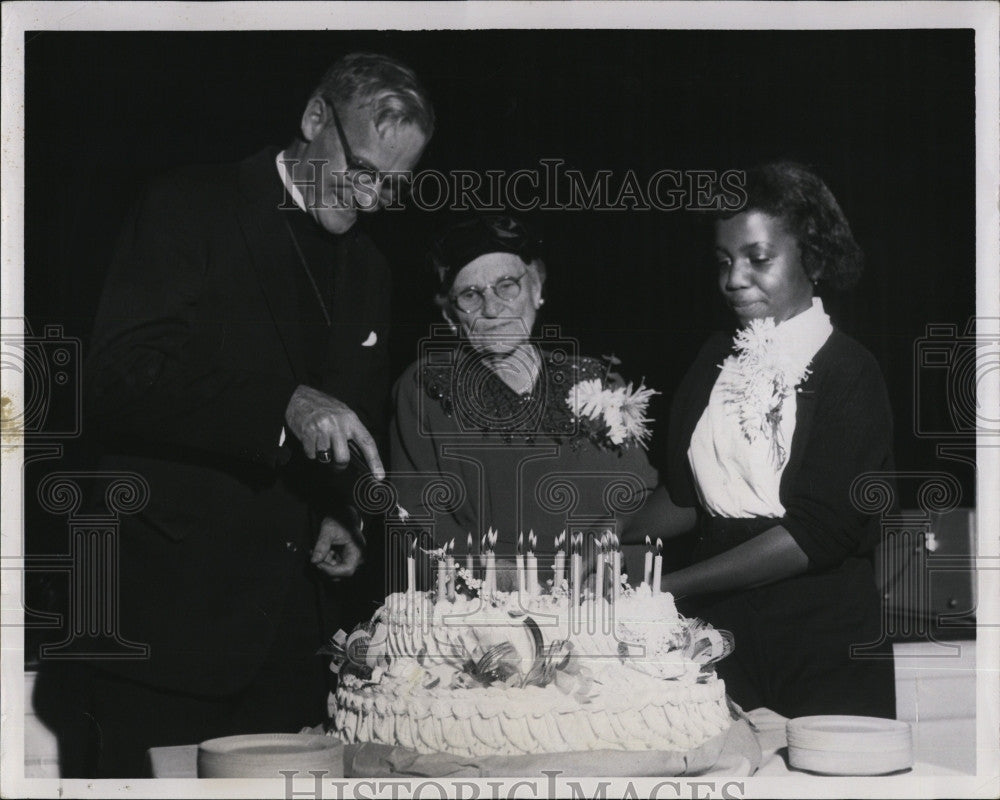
(769, 430)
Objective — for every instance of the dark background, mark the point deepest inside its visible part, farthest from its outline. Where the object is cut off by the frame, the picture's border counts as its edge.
(887, 117)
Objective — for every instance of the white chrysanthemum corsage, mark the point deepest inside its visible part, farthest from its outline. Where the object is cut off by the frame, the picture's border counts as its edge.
(763, 376)
(611, 416)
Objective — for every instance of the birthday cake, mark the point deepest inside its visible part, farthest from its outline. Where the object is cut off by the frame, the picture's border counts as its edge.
(488, 673)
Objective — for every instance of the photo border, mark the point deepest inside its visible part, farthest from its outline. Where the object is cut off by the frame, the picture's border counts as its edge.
(19, 17)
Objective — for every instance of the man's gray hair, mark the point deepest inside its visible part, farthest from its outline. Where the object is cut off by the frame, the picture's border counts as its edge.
(391, 88)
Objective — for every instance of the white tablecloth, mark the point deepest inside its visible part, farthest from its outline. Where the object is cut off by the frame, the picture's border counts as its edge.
(941, 747)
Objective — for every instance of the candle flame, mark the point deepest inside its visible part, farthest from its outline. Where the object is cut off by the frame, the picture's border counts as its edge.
(520, 542)
(451, 546)
(469, 540)
(648, 543)
(402, 512)
(659, 546)
(413, 548)
(532, 541)
(559, 540)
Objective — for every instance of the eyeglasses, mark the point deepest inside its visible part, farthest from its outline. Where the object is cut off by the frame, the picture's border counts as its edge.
(366, 172)
(473, 298)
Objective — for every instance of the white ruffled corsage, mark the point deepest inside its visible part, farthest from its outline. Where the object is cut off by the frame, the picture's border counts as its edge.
(763, 374)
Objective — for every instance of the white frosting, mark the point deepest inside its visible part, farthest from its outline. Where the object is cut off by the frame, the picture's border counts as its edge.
(628, 712)
(445, 634)
(631, 686)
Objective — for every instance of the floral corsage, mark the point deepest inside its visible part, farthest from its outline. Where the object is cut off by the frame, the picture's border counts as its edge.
(763, 376)
(610, 414)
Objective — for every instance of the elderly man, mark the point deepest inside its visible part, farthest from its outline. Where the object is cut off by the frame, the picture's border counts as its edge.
(240, 344)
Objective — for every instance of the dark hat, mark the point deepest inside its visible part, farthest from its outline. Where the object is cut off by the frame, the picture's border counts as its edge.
(467, 240)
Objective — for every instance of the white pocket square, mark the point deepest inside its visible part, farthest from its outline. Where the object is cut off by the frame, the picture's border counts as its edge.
(370, 341)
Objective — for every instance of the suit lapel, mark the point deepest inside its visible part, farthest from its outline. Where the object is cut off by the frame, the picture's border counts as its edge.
(345, 284)
(271, 253)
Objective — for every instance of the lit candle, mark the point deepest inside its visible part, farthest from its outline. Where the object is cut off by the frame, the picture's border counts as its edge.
(411, 580)
(647, 571)
(483, 563)
(658, 567)
(616, 567)
(559, 567)
(491, 563)
(576, 568)
(522, 585)
(442, 571)
(532, 565)
(468, 557)
(599, 570)
(450, 566)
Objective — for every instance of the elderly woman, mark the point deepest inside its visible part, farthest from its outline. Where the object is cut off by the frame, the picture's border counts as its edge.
(512, 425)
(769, 429)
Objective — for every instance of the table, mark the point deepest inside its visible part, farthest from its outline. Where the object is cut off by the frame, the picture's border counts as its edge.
(937, 750)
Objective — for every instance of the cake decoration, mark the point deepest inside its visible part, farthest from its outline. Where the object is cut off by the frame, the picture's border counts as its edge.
(555, 666)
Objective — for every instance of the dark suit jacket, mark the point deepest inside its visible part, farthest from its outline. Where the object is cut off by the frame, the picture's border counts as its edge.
(199, 344)
(843, 428)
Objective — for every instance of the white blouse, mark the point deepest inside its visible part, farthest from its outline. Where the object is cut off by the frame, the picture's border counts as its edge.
(738, 451)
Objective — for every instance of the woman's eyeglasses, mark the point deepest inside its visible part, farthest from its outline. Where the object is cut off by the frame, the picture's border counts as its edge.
(473, 298)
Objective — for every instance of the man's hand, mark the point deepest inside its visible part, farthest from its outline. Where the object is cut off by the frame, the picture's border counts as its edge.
(337, 552)
(325, 425)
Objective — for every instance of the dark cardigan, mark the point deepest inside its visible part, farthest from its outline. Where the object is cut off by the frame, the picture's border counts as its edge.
(843, 429)
(796, 638)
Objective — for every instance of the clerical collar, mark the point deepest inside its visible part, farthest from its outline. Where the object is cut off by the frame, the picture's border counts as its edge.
(286, 179)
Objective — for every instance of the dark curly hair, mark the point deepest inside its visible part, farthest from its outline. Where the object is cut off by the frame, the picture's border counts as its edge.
(798, 196)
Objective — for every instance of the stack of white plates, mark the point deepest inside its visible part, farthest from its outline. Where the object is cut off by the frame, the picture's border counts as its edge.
(841, 745)
(265, 755)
